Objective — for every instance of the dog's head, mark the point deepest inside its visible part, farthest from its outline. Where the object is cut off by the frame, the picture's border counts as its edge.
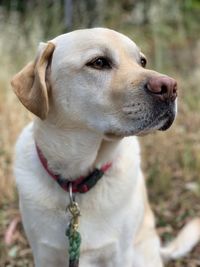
(97, 78)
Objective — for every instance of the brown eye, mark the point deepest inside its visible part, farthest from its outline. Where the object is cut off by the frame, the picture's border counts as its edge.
(100, 63)
(143, 62)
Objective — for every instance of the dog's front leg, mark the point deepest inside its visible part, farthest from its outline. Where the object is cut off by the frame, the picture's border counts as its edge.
(147, 253)
(45, 230)
(147, 245)
(49, 256)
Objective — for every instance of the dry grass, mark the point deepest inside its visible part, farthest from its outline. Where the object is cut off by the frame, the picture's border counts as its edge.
(12, 119)
(171, 159)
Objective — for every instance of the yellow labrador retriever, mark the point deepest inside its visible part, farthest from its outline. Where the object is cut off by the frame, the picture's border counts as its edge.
(92, 95)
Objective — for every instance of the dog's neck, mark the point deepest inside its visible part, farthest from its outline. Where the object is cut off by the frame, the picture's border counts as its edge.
(72, 152)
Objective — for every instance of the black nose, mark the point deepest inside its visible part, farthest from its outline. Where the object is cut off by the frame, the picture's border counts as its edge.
(162, 87)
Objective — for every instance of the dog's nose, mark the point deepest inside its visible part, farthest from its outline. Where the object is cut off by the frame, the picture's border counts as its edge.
(162, 87)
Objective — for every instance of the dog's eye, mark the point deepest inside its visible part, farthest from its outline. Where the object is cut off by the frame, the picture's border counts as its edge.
(99, 63)
(143, 62)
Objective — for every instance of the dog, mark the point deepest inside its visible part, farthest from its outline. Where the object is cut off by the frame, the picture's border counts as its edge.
(92, 96)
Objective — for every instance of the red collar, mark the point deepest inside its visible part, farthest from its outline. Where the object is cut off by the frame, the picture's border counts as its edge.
(82, 184)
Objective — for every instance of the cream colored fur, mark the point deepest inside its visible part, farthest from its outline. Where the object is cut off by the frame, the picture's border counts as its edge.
(85, 118)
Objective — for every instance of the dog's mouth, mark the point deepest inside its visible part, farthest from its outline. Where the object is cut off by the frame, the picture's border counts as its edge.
(167, 123)
(161, 123)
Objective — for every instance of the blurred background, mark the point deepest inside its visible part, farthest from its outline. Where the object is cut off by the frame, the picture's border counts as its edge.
(168, 32)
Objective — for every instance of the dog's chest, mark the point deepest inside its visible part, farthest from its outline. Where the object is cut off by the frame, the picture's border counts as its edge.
(111, 212)
(108, 238)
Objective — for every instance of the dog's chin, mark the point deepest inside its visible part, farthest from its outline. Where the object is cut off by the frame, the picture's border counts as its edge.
(162, 124)
(113, 136)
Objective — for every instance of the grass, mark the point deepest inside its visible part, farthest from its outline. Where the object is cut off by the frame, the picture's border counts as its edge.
(171, 159)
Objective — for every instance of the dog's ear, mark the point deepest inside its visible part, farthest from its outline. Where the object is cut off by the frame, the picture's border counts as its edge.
(30, 84)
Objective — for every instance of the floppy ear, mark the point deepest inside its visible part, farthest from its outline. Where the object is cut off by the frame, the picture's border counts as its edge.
(30, 83)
